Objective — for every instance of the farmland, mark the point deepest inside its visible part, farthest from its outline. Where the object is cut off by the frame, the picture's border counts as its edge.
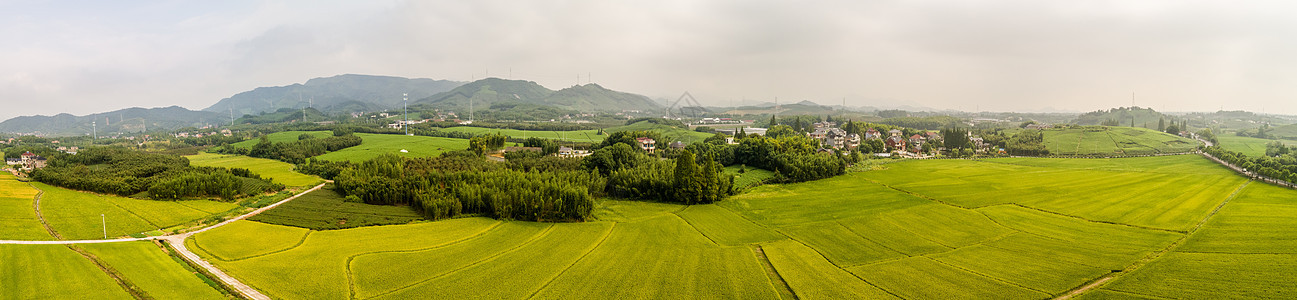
(280, 137)
(55, 272)
(17, 216)
(156, 273)
(76, 215)
(668, 133)
(749, 177)
(325, 209)
(1251, 146)
(274, 170)
(374, 145)
(909, 230)
(580, 136)
(1104, 140)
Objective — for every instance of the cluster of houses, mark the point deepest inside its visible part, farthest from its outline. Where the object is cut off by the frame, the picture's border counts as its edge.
(27, 161)
(223, 132)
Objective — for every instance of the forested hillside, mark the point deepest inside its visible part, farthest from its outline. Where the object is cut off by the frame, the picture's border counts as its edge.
(342, 93)
(130, 120)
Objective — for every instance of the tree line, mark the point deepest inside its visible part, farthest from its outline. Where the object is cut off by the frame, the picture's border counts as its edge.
(298, 151)
(1282, 167)
(455, 184)
(126, 172)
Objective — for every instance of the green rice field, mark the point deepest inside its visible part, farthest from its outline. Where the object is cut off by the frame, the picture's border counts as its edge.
(325, 209)
(1250, 146)
(159, 275)
(274, 170)
(53, 272)
(1104, 140)
(76, 215)
(17, 215)
(1011, 228)
(375, 145)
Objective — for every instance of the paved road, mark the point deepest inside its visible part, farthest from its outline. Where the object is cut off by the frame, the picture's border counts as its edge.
(177, 241)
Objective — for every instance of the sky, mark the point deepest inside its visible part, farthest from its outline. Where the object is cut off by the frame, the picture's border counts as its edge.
(84, 57)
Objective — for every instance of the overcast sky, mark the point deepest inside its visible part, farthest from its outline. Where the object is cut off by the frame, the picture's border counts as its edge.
(95, 56)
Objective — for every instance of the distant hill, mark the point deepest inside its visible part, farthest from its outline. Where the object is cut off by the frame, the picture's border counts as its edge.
(1123, 115)
(124, 121)
(342, 93)
(799, 108)
(1284, 132)
(487, 92)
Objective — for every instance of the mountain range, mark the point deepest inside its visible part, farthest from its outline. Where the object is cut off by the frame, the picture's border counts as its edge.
(486, 92)
(342, 93)
(338, 94)
(128, 120)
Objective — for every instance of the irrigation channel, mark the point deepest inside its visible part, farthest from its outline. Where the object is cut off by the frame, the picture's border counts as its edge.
(177, 241)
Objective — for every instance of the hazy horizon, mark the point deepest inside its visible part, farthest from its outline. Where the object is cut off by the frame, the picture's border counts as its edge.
(1020, 56)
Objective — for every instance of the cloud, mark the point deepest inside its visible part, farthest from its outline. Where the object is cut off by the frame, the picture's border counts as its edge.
(993, 55)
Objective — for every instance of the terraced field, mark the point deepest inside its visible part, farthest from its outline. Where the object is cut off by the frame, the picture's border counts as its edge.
(1015, 228)
(17, 215)
(374, 145)
(76, 215)
(277, 171)
(1105, 140)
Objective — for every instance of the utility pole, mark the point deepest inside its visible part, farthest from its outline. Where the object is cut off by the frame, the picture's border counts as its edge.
(95, 128)
(104, 220)
(405, 98)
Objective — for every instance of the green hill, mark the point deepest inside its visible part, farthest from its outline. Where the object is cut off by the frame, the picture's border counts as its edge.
(1123, 115)
(342, 93)
(1106, 140)
(128, 120)
(1284, 132)
(488, 93)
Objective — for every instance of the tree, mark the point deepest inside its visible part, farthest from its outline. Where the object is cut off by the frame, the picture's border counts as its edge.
(954, 138)
(687, 181)
(779, 131)
(1173, 129)
(1161, 124)
(772, 122)
(742, 134)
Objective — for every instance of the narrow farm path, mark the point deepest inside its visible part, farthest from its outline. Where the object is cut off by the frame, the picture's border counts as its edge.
(37, 206)
(177, 241)
(776, 279)
(1151, 257)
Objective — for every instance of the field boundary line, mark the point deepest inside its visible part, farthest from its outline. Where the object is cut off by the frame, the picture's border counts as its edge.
(695, 228)
(1089, 220)
(529, 241)
(578, 260)
(1234, 253)
(155, 225)
(1138, 294)
(351, 280)
(782, 286)
(36, 204)
(1155, 255)
(299, 244)
(121, 280)
(853, 231)
(987, 276)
